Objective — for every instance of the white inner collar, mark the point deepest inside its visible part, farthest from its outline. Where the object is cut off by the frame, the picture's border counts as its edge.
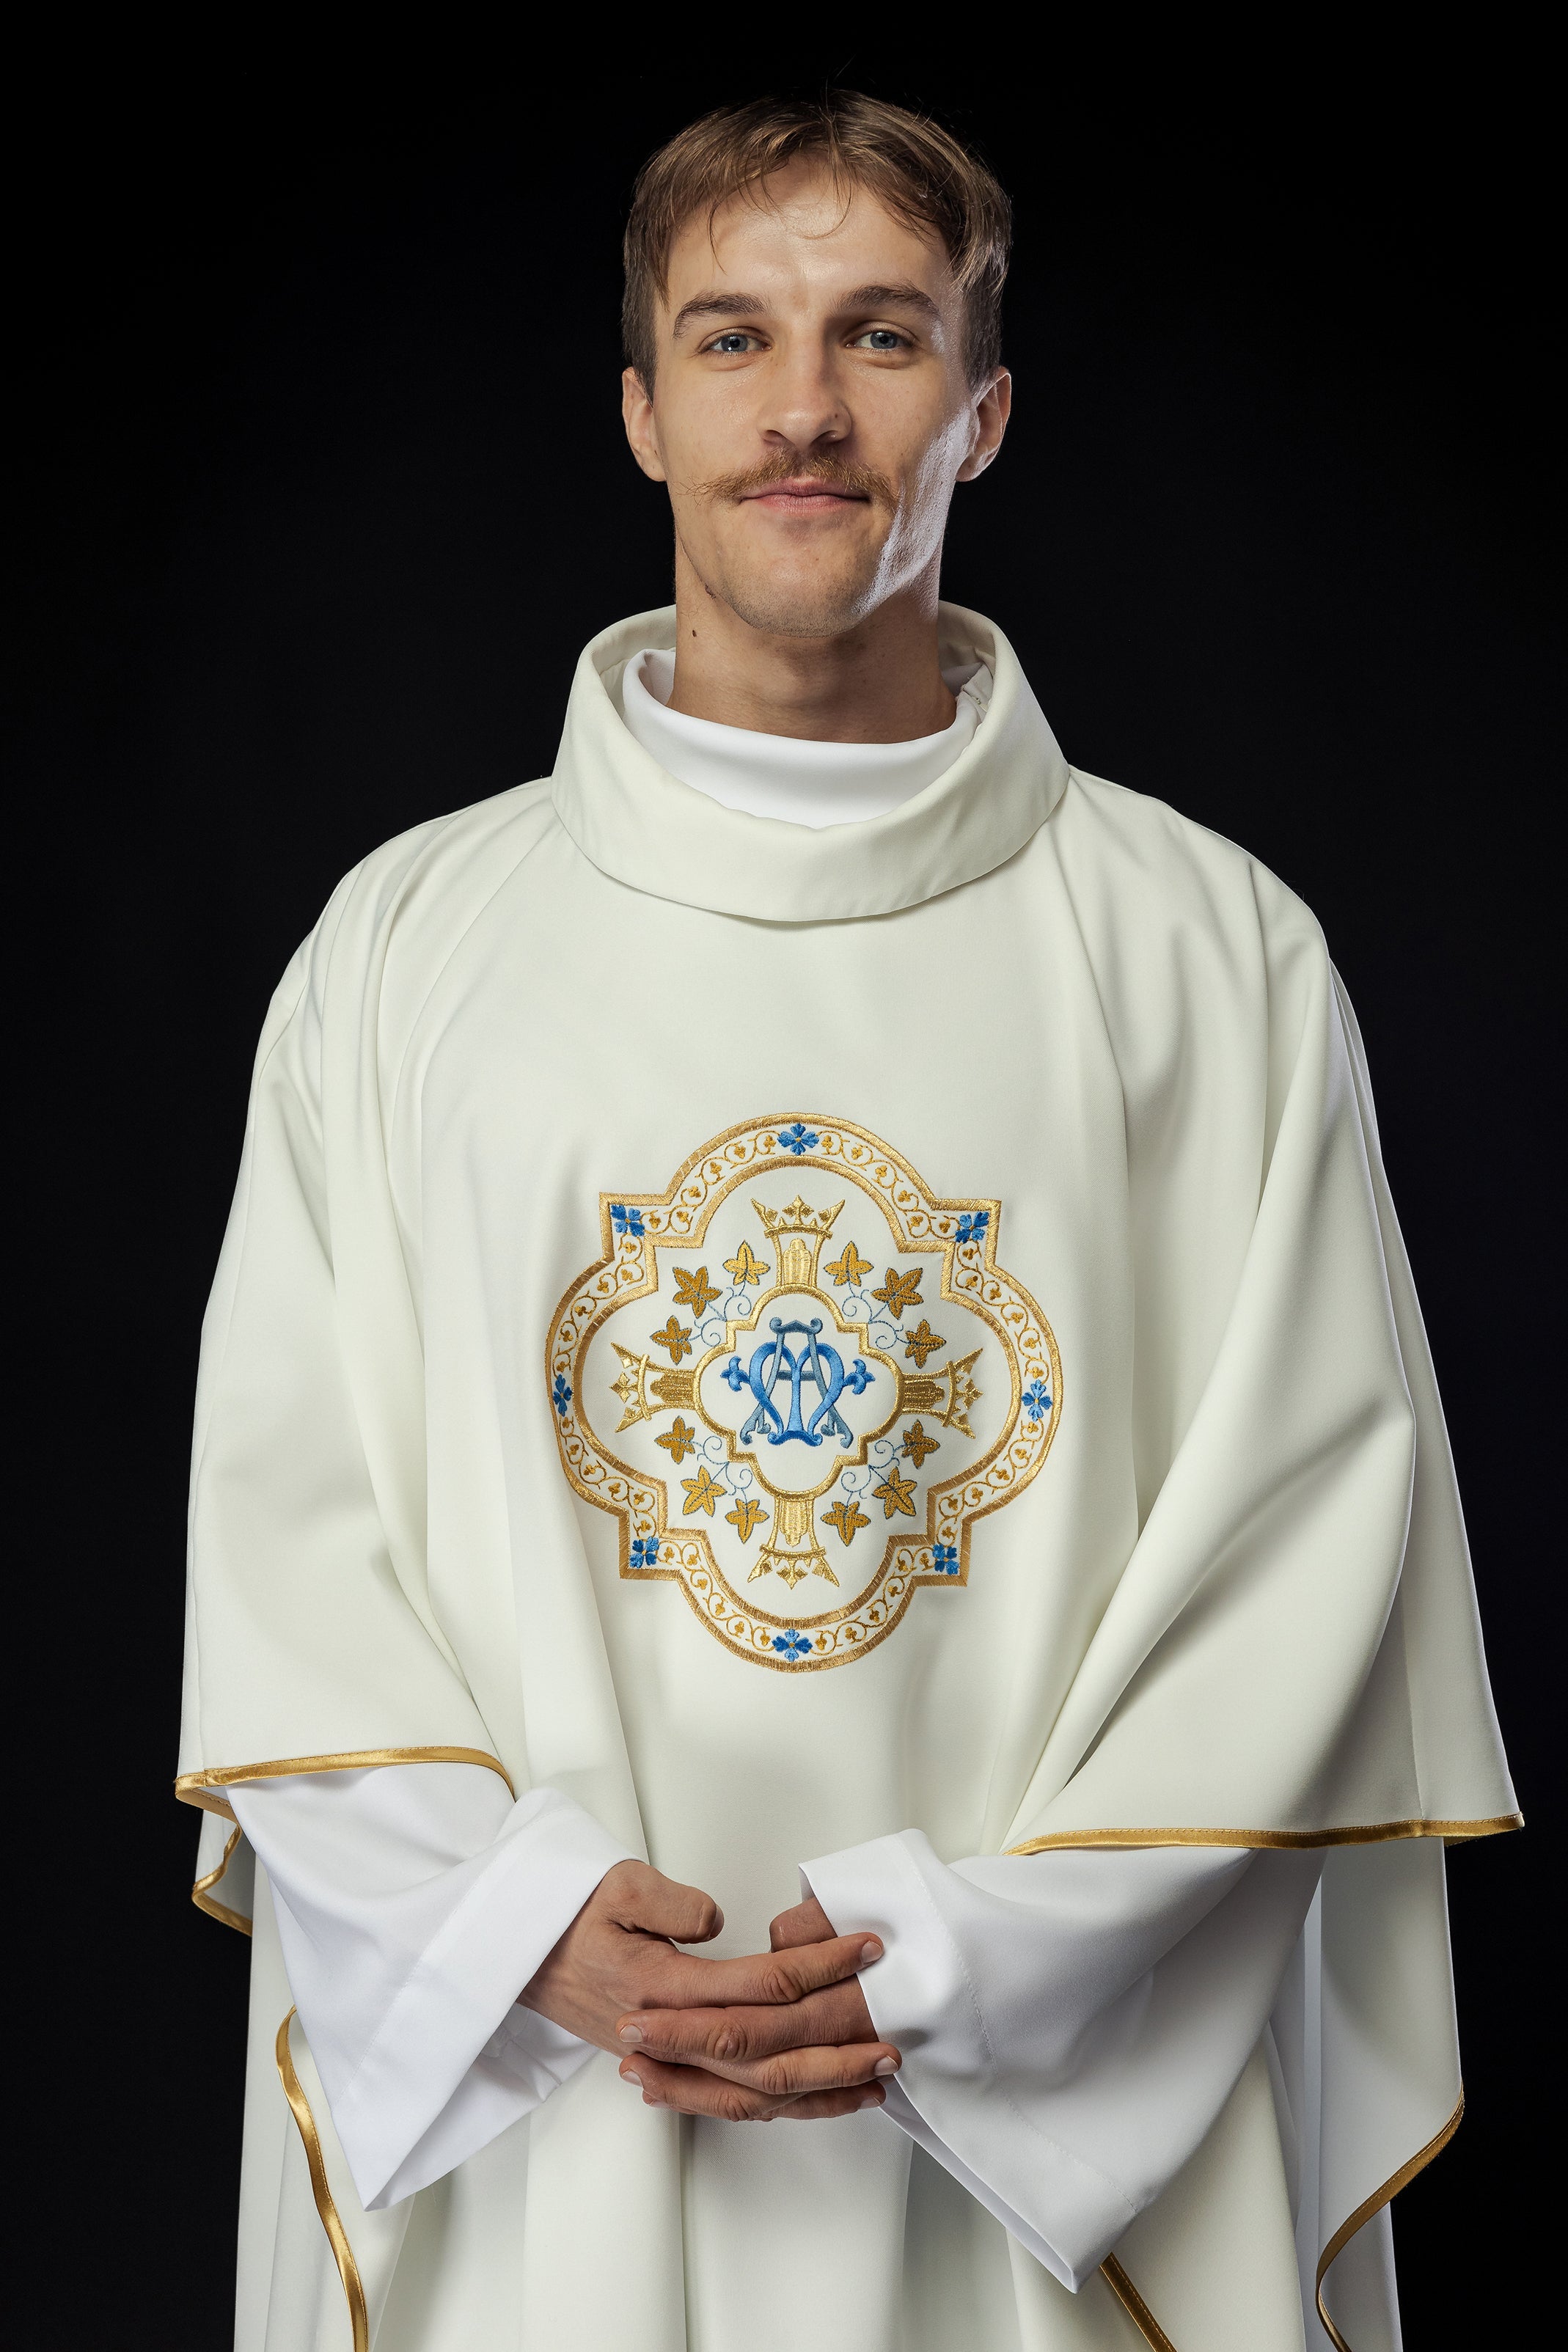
(781, 776)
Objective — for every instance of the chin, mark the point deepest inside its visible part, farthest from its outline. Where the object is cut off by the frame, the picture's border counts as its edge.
(801, 608)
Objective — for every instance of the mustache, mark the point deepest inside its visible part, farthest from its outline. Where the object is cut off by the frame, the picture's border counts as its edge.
(834, 473)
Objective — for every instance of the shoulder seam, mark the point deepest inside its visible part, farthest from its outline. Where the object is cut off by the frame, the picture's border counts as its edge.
(436, 976)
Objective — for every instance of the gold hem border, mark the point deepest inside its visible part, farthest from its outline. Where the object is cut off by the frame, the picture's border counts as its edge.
(201, 1894)
(1375, 2204)
(202, 1789)
(337, 2236)
(1296, 1840)
(1154, 2335)
(1134, 2305)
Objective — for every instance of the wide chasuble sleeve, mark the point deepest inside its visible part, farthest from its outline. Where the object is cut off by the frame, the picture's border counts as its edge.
(1234, 1606)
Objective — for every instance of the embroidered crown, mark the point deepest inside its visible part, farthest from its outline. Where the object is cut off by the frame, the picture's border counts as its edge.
(797, 1219)
(797, 1234)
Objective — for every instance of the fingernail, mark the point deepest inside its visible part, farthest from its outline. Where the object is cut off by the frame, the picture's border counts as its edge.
(886, 2066)
(630, 2074)
(630, 2033)
(872, 2099)
(870, 1950)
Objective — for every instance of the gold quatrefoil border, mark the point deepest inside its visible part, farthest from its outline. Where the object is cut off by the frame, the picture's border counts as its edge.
(969, 1274)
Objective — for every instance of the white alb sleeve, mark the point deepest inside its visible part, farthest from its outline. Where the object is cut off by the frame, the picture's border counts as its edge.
(1071, 2023)
(414, 1902)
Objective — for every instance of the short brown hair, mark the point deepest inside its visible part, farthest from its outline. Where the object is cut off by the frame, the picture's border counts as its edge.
(920, 171)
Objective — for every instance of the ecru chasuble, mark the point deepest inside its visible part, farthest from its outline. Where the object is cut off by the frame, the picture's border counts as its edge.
(778, 1339)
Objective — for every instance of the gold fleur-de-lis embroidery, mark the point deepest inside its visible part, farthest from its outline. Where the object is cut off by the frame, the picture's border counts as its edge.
(693, 1290)
(746, 1267)
(676, 1336)
(916, 1445)
(680, 1440)
(745, 1516)
(900, 1290)
(846, 1516)
(923, 1343)
(896, 1494)
(701, 1492)
(849, 1268)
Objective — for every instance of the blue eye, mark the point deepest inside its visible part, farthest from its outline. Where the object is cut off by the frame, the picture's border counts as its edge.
(733, 341)
(882, 339)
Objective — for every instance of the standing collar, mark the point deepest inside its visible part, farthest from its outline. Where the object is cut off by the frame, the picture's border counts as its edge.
(639, 825)
(798, 779)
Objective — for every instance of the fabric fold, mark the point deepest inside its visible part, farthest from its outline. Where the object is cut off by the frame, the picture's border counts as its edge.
(1071, 2025)
(413, 1904)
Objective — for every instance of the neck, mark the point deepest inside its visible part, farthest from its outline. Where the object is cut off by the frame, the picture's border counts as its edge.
(878, 682)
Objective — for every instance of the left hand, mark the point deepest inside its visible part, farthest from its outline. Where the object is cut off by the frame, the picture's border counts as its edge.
(803, 2059)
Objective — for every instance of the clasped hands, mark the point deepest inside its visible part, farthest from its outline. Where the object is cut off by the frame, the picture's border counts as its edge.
(785, 2032)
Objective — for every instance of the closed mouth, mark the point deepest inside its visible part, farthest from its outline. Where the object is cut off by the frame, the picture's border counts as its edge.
(807, 493)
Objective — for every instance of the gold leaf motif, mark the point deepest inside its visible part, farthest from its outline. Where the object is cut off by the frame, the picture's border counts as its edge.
(745, 1516)
(846, 1516)
(701, 1492)
(693, 1290)
(900, 1290)
(680, 1440)
(746, 1267)
(923, 1343)
(848, 1269)
(916, 1445)
(896, 1494)
(676, 1336)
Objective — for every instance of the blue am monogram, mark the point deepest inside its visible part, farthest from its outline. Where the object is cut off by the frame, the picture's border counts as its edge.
(812, 1361)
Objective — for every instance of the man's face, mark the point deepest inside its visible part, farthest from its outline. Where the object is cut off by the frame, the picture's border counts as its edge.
(811, 409)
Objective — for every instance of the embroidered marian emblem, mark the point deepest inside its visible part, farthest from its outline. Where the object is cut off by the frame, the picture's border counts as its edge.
(761, 1414)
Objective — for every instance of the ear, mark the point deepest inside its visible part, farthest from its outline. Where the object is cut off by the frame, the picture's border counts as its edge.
(992, 409)
(637, 412)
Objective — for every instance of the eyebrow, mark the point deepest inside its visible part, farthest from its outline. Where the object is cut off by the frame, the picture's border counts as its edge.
(891, 297)
(752, 306)
(718, 306)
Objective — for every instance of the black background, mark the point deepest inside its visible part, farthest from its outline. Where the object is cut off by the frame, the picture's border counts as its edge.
(326, 488)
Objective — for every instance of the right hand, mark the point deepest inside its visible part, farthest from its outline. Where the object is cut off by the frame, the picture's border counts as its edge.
(618, 1956)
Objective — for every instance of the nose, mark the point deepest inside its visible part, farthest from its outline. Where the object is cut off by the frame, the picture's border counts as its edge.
(803, 406)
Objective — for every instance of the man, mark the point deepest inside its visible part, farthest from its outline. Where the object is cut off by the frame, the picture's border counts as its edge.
(813, 1349)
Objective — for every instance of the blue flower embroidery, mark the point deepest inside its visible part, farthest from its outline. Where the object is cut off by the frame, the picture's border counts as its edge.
(560, 1394)
(1037, 1400)
(644, 1551)
(970, 1228)
(945, 1558)
(625, 1220)
(798, 1138)
(793, 1645)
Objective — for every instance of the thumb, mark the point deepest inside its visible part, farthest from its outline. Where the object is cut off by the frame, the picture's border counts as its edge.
(663, 1907)
(807, 1922)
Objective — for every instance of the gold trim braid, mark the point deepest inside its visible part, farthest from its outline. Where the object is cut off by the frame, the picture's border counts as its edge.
(337, 2236)
(1154, 2335)
(204, 1788)
(1134, 2305)
(1372, 1833)
(198, 1788)
(1375, 2204)
(201, 1894)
